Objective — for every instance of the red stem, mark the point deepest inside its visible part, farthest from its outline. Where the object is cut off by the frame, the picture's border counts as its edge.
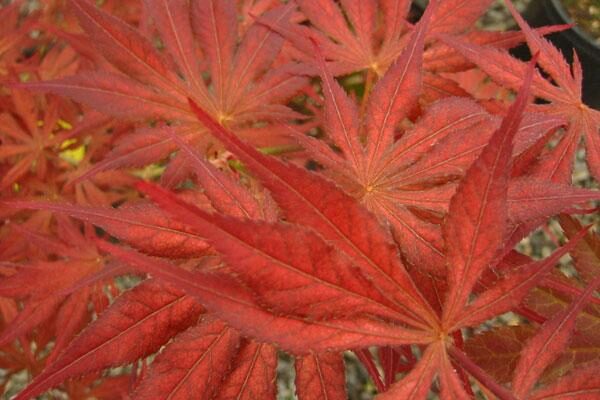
(530, 314)
(406, 351)
(387, 359)
(367, 360)
(458, 342)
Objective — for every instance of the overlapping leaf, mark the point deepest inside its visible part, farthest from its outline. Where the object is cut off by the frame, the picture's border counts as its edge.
(408, 250)
(154, 84)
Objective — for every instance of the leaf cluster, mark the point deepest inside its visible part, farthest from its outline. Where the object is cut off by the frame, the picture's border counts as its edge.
(190, 188)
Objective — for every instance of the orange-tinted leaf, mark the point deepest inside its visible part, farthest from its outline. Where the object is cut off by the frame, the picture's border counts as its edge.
(565, 99)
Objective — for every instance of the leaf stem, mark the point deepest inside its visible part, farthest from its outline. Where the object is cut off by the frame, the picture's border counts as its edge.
(530, 314)
(479, 374)
(458, 340)
(367, 91)
(367, 360)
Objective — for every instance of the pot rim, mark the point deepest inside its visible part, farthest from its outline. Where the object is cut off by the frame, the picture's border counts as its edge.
(564, 15)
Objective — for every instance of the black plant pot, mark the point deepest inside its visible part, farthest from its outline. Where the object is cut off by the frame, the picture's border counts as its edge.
(552, 12)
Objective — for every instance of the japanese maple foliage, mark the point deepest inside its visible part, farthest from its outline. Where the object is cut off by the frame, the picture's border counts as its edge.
(192, 188)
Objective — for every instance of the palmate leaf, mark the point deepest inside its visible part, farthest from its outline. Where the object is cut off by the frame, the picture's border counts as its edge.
(493, 165)
(155, 84)
(350, 50)
(468, 244)
(305, 204)
(29, 136)
(369, 35)
(406, 181)
(314, 202)
(52, 290)
(451, 134)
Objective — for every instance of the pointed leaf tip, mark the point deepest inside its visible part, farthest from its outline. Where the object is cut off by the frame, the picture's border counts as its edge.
(481, 201)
